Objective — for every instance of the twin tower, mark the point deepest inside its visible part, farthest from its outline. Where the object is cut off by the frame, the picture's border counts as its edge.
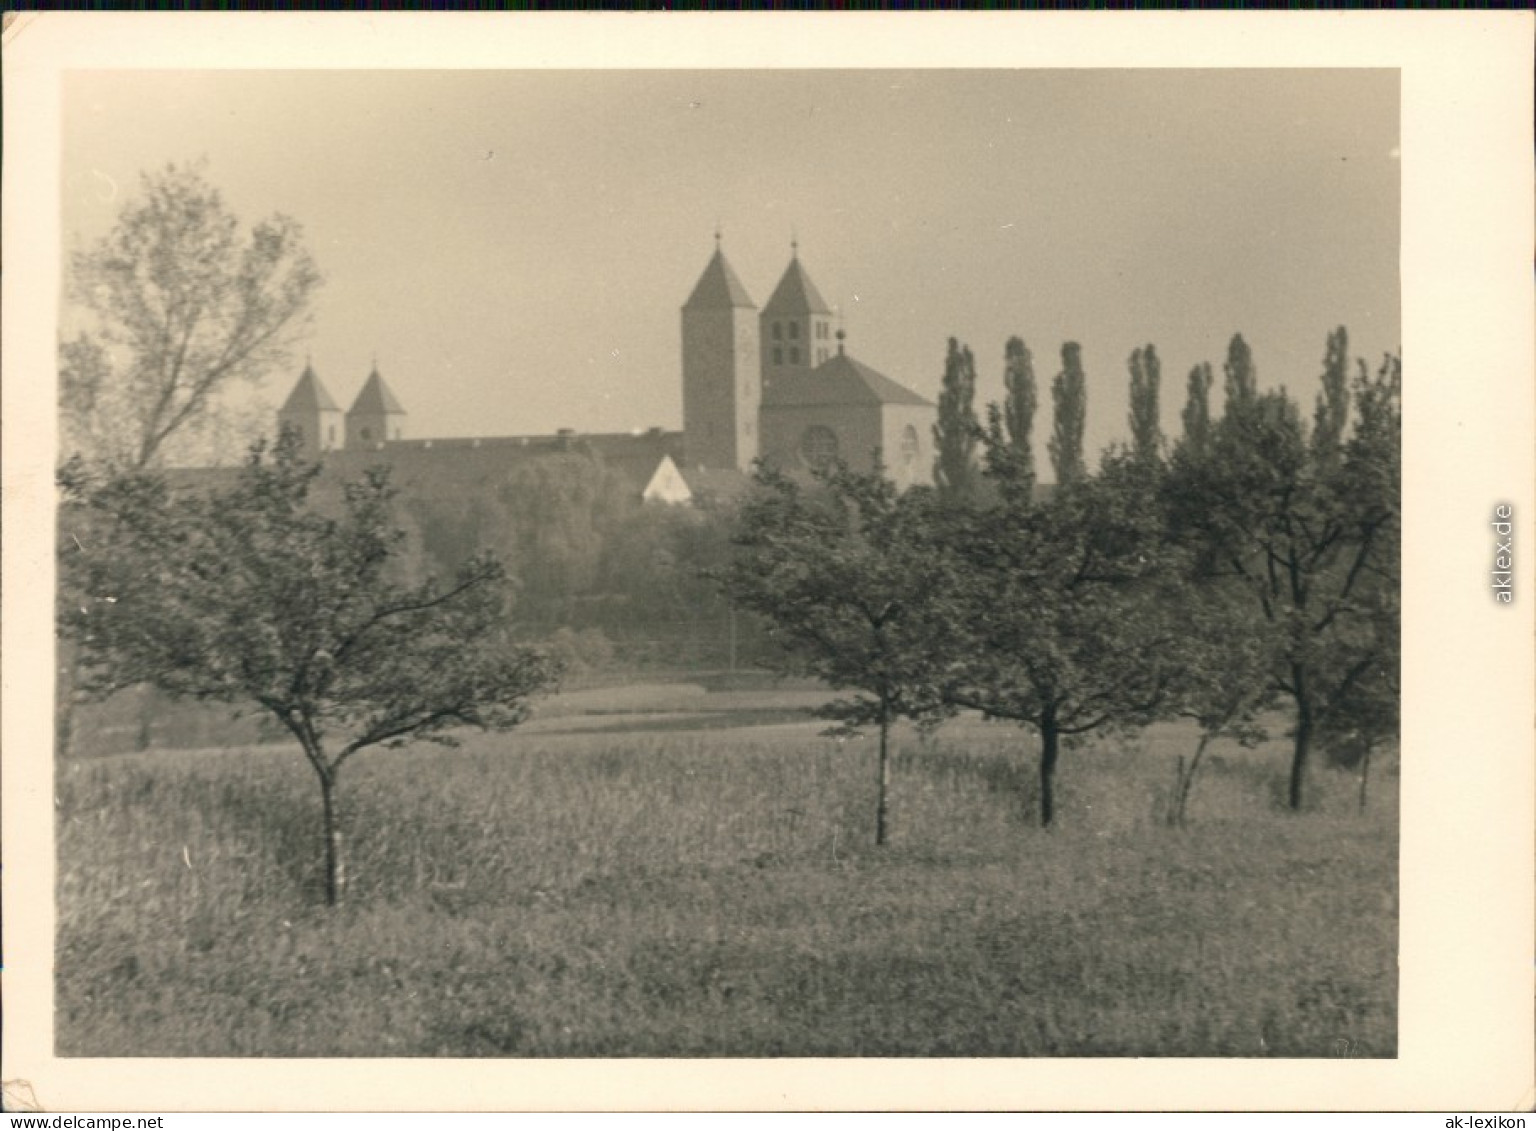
(733, 354)
(376, 416)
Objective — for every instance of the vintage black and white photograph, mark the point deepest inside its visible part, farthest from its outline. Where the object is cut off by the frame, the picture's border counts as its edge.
(868, 563)
(744, 563)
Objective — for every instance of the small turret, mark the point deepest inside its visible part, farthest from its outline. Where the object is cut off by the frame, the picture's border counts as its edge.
(310, 411)
(375, 417)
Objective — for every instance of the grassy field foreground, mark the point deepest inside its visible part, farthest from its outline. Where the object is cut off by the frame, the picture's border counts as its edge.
(716, 893)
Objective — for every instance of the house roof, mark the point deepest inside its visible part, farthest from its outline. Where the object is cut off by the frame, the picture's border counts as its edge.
(841, 380)
(375, 398)
(309, 395)
(718, 288)
(796, 294)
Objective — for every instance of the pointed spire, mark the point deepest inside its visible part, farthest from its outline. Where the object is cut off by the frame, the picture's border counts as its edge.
(718, 287)
(796, 294)
(375, 397)
(309, 394)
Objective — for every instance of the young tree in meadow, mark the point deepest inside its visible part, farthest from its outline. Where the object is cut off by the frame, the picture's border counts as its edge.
(956, 430)
(1146, 428)
(1311, 541)
(183, 306)
(254, 594)
(1069, 392)
(1066, 623)
(850, 583)
(1221, 667)
(1197, 408)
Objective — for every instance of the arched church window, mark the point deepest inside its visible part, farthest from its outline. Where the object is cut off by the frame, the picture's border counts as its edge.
(331, 438)
(818, 445)
(794, 355)
(794, 330)
(366, 434)
(910, 446)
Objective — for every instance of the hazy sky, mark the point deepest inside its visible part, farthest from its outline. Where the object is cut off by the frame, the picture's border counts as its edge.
(515, 246)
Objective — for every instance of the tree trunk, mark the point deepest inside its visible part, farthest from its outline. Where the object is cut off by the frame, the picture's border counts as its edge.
(1365, 773)
(335, 866)
(1189, 780)
(1303, 744)
(885, 779)
(1049, 740)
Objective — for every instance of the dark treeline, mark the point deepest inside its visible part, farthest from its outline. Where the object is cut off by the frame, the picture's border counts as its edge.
(608, 581)
(1248, 567)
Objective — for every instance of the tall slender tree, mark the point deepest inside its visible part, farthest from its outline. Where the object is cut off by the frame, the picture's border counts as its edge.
(1020, 400)
(1069, 392)
(1242, 379)
(1146, 428)
(957, 431)
(1331, 416)
(1197, 408)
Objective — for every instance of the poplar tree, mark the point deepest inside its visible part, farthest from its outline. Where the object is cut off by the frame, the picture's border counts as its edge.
(1019, 401)
(1331, 416)
(956, 432)
(1146, 430)
(1069, 392)
(1242, 380)
(1197, 407)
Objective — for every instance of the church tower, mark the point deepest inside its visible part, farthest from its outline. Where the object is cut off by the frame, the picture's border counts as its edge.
(721, 380)
(376, 416)
(311, 412)
(796, 325)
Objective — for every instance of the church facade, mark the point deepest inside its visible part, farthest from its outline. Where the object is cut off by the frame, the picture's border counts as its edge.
(774, 384)
(777, 384)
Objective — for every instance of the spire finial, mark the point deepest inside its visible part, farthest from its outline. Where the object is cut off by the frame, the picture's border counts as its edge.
(717, 235)
(794, 244)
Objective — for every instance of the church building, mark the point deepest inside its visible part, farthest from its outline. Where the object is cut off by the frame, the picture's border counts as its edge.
(777, 384)
(774, 384)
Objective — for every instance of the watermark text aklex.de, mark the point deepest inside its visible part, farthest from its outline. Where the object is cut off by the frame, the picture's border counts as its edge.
(1504, 554)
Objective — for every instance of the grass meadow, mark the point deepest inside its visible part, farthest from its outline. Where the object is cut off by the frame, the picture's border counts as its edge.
(681, 873)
